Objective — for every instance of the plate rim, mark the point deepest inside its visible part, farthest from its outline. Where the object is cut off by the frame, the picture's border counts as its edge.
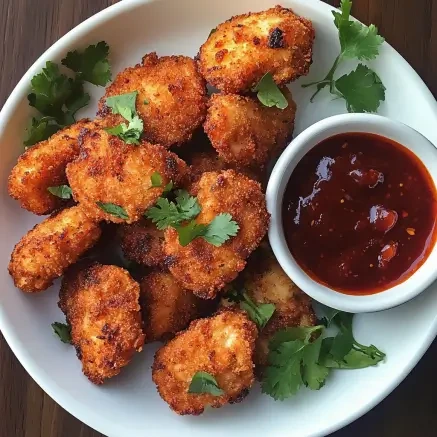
(9, 107)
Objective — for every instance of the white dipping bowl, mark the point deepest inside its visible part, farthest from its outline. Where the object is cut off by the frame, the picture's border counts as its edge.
(394, 130)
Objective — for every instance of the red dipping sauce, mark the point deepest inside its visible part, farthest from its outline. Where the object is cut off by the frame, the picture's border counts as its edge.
(359, 213)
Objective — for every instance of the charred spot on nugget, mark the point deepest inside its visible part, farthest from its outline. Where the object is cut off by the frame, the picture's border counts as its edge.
(171, 98)
(246, 133)
(111, 173)
(43, 165)
(202, 267)
(222, 346)
(167, 307)
(101, 304)
(241, 50)
(46, 251)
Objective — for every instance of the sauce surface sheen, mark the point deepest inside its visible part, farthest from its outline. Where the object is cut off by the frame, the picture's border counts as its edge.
(359, 213)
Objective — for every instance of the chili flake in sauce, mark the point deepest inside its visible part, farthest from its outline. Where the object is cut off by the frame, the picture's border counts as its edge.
(359, 213)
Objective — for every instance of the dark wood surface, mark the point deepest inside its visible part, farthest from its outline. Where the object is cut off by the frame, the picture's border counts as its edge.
(27, 28)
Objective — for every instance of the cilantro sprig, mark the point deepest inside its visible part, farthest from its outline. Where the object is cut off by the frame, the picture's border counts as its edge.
(268, 92)
(113, 209)
(124, 104)
(63, 331)
(61, 191)
(259, 313)
(58, 97)
(203, 382)
(362, 88)
(302, 356)
(185, 208)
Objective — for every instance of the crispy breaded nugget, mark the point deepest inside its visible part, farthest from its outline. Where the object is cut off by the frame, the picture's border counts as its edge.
(266, 282)
(44, 253)
(110, 171)
(202, 267)
(101, 305)
(171, 98)
(43, 166)
(222, 346)
(245, 132)
(167, 307)
(209, 160)
(142, 243)
(241, 50)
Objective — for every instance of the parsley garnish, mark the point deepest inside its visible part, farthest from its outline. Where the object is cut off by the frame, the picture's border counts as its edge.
(63, 331)
(259, 313)
(124, 104)
(113, 209)
(61, 191)
(362, 89)
(92, 64)
(203, 382)
(301, 356)
(269, 94)
(58, 97)
(185, 207)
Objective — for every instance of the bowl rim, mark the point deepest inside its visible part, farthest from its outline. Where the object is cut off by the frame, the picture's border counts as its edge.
(409, 138)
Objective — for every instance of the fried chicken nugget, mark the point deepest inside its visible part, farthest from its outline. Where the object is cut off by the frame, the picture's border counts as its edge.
(222, 346)
(171, 98)
(266, 282)
(101, 305)
(142, 243)
(245, 132)
(46, 251)
(202, 267)
(241, 50)
(43, 166)
(167, 307)
(110, 171)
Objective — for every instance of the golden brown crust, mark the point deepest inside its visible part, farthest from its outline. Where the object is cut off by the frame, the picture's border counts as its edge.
(142, 243)
(167, 307)
(43, 166)
(109, 170)
(241, 50)
(222, 346)
(100, 303)
(202, 267)
(175, 92)
(44, 253)
(245, 132)
(266, 282)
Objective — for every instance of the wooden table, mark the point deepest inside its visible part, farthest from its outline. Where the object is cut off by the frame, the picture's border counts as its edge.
(27, 28)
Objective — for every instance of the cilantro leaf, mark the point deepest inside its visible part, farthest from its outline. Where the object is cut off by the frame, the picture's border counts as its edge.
(314, 375)
(123, 104)
(131, 133)
(203, 382)
(113, 209)
(362, 89)
(269, 94)
(156, 179)
(221, 229)
(187, 205)
(189, 232)
(341, 18)
(41, 129)
(92, 64)
(63, 331)
(61, 191)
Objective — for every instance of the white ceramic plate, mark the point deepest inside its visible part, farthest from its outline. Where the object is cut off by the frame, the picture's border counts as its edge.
(128, 406)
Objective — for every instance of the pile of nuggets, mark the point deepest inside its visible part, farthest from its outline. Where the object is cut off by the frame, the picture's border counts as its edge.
(217, 148)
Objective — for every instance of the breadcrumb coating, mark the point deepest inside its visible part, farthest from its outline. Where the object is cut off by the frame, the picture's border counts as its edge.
(244, 48)
(110, 171)
(244, 132)
(206, 269)
(45, 252)
(101, 305)
(171, 98)
(222, 346)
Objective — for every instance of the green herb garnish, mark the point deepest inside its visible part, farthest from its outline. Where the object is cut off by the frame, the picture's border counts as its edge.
(203, 382)
(362, 89)
(113, 209)
(61, 191)
(269, 94)
(63, 331)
